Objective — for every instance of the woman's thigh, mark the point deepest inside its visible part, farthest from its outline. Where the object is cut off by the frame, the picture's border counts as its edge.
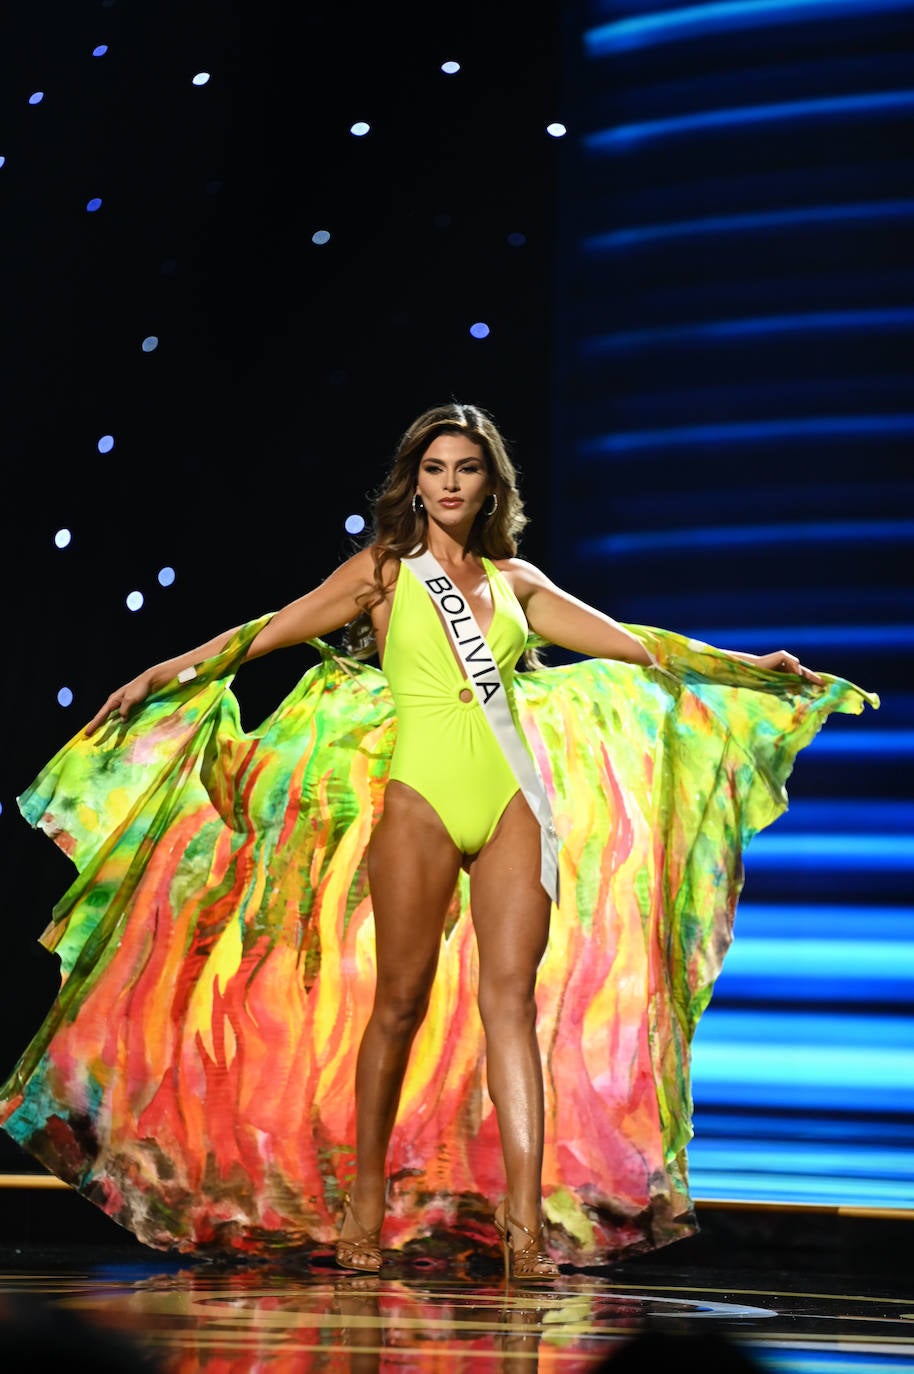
(510, 907)
(413, 865)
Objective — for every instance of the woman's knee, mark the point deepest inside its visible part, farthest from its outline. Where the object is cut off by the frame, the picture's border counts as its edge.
(399, 1009)
(508, 1002)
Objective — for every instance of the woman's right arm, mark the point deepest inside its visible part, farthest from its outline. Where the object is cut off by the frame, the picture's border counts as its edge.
(329, 607)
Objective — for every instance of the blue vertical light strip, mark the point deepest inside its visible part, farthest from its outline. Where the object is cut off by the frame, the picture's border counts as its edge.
(733, 415)
(870, 104)
(795, 218)
(684, 23)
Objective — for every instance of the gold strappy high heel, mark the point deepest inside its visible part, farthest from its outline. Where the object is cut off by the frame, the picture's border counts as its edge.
(531, 1262)
(367, 1246)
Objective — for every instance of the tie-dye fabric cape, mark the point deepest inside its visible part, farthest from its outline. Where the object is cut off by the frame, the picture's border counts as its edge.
(194, 1076)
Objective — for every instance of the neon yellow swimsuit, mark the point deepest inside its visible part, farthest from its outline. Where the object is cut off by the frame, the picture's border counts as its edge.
(218, 944)
(445, 748)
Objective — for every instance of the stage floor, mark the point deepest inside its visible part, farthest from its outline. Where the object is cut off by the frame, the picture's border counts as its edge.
(756, 1289)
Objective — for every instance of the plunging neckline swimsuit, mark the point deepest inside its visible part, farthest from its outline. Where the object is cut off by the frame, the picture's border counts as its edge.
(217, 946)
(446, 750)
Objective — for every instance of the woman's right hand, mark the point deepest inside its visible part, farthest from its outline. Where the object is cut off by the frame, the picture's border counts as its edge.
(122, 701)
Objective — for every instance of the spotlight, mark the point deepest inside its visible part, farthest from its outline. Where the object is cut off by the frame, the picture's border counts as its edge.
(354, 524)
(449, 68)
(106, 443)
(360, 129)
(134, 601)
(556, 130)
(201, 78)
(479, 330)
(62, 538)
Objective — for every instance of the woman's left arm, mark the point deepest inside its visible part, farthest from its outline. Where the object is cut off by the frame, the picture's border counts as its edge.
(782, 661)
(562, 619)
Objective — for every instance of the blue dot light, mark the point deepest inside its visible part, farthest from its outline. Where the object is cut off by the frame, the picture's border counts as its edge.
(62, 538)
(106, 443)
(36, 97)
(556, 130)
(150, 343)
(449, 68)
(201, 78)
(2, 160)
(354, 524)
(166, 577)
(100, 50)
(134, 601)
(321, 236)
(517, 240)
(65, 696)
(360, 129)
(479, 330)
(94, 204)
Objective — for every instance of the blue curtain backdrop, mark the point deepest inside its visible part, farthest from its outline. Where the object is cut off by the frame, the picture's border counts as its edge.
(725, 362)
(732, 458)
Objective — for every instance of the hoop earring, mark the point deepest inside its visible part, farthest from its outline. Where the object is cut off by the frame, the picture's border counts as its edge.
(418, 510)
(489, 513)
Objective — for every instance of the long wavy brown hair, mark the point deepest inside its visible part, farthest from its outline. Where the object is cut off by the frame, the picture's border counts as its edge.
(398, 528)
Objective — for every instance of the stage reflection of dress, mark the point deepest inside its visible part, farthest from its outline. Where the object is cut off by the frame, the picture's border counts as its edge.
(194, 1077)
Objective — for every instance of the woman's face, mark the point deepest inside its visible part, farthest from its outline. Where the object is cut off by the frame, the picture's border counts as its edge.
(453, 480)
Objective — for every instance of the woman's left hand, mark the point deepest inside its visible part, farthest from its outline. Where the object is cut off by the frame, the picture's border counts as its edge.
(784, 662)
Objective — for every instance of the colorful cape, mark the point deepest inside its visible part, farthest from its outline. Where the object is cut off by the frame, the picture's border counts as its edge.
(194, 1076)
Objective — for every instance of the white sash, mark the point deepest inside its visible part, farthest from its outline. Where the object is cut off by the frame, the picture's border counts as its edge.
(482, 671)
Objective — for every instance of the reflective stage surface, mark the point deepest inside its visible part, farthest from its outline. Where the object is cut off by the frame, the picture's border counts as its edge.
(763, 1291)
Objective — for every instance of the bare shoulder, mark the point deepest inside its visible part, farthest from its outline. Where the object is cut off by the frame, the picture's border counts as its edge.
(358, 571)
(523, 577)
(388, 563)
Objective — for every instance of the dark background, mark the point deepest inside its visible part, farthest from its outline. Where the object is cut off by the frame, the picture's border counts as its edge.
(285, 373)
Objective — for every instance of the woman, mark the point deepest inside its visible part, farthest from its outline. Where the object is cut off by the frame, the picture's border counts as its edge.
(441, 595)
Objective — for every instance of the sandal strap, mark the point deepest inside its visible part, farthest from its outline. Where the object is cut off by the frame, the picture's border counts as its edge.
(368, 1243)
(366, 1234)
(531, 1255)
(519, 1225)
